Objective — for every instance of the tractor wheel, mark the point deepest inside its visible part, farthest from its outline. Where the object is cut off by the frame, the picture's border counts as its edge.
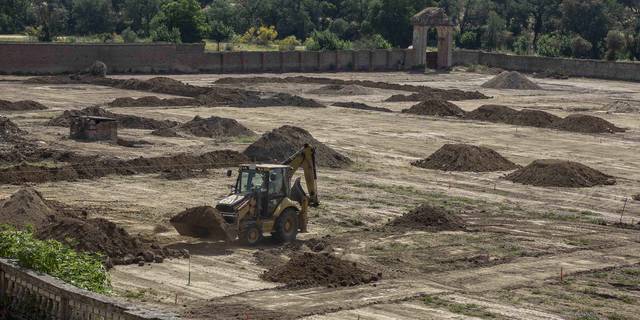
(250, 235)
(286, 228)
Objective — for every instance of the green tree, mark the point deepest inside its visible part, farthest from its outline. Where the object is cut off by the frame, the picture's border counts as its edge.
(616, 45)
(93, 16)
(160, 32)
(375, 41)
(185, 16)
(15, 15)
(494, 33)
(137, 14)
(326, 40)
(51, 20)
(586, 18)
(392, 19)
(580, 47)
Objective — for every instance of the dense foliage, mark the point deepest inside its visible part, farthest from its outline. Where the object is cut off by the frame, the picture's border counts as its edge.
(82, 270)
(580, 28)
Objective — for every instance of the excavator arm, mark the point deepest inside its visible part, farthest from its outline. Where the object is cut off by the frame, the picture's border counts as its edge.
(306, 158)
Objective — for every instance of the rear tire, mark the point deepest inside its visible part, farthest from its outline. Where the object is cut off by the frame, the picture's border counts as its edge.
(286, 228)
(251, 235)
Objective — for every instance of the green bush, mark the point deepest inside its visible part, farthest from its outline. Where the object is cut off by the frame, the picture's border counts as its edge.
(289, 43)
(469, 40)
(616, 45)
(580, 47)
(82, 270)
(554, 45)
(375, 41)
(129, 36)
(159, 32)
(522, 44)
(326, 40)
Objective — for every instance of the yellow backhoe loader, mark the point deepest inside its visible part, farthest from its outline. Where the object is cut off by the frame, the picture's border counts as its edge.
(263, 201)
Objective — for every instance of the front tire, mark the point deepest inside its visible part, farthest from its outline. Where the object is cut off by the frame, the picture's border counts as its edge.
(251, 235)
(286, 228)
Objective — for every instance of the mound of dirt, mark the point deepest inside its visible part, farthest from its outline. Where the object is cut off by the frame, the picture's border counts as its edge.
(9, 131)
(440, 94)
(132, 143)
(586, 124)
(448, 95)
(621, 107)
(105, 237)
(162, 85)
(438, 108)
(464, 157)
(279, 144)
(636, 197)
(166, 132)
(560, 173)
(23, 105)
(215, 127)
(124, 120)
(511, 80)
(25, 208)
(504, 114)
(312, 269)
(342, 90)
(285, 100)
(235, 311)
(151, 101)
(426, 217)
(92, 168)
(360, 106)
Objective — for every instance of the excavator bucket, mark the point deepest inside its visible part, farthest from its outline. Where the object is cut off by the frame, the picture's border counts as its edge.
(203, 222)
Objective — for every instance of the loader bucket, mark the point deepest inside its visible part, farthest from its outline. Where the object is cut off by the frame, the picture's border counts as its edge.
(203, 222)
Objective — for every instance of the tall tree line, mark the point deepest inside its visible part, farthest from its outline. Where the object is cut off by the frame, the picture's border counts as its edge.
(581, 28)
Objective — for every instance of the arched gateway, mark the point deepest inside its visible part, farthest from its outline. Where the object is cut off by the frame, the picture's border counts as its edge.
(423, 21)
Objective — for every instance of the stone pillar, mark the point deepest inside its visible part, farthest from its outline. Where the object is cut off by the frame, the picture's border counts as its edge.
(420, 44)
(445, 47)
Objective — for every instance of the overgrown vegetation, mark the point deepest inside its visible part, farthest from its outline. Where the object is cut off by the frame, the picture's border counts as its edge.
(574, 28)
(82, 270)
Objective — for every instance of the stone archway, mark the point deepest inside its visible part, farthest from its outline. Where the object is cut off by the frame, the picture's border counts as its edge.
(433, 18)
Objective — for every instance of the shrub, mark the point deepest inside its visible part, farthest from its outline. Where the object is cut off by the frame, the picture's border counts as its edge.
(289, 43)
(82, 270)
(554, 45)
(469, 40)
(580, 47)
(326, 40)
(129, 36)
(262, 35)
(616, 45)
(375, 41)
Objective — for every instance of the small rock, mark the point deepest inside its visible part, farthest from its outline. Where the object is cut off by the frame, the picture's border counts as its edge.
(148, 256)
(128, 259)
(98, 69)
(140, 263)
(159, 259)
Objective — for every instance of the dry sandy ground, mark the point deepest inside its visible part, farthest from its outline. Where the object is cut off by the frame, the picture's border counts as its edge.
(529, 234)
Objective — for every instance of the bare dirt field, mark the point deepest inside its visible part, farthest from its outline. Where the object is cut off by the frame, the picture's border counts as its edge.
(525, 252)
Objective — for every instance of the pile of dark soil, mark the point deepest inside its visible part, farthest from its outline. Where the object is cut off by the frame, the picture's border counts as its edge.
(450, 95)
(636, 197)
(621, 107)
(285, 100)
(23, 105)
(162, 85)
(215, 127)
(511, 80)
(252, 99)
(166, 132)
(438, 108)
(124, 120)
(105, 237)
(131, 143)
(97, 168)
(464, 157)
(504, 114)
(586, 124)
(280, 144)
(560, 173)
(151, 101)
(182, 174)
(323, 269)
(426, 217)
(9, 131)
(25, 208)
(342, 90)
(224, 311)
(26, 151)
(360, 106)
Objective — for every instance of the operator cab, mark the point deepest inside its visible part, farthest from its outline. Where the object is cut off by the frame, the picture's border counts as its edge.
(268, 183)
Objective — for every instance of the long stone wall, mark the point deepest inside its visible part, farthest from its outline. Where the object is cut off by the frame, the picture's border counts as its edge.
(25, 294)
(48, 58)
(628, 71)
